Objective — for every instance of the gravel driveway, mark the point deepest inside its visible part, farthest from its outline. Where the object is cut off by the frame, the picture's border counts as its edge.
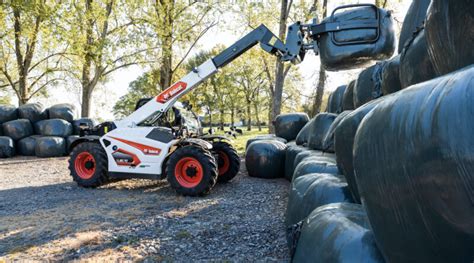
(44, 215)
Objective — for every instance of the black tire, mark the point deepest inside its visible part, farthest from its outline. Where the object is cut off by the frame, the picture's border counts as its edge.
(192, 171)
(228, 161)
(88, 165)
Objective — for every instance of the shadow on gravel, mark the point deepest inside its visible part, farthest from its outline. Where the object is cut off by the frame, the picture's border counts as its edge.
(34, 216)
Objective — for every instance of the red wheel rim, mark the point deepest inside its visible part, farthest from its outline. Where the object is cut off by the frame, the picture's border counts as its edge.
(224, 163)
(188, 172)
(85, 165)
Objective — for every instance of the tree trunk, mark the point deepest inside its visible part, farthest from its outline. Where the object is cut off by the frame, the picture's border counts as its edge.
(249, 115)
(259, 125)
(86, 101)
(279, 71)
(232, 117)
(221, 123)
(318, 98)
(166, 67)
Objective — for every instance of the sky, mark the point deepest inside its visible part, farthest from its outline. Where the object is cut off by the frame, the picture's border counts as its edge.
(116, 86)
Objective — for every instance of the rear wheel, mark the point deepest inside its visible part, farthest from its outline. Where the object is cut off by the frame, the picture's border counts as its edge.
(192, 171)
(228, 161)
(88, 165)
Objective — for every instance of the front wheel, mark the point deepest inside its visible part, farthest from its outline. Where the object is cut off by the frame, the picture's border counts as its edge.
(228, 161)
(192, 171)
(88, 165)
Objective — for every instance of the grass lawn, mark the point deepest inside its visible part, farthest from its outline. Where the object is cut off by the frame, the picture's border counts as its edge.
(241, 140)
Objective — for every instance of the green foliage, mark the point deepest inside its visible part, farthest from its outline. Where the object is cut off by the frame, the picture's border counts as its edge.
(140, 88)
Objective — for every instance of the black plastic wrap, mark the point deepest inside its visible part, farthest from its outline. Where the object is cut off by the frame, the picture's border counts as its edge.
(50, 146)
(344, 142)
(69, 141)
(53, 127)
(287, 126)
(414, 19)
(337, 233)
(302, 137)
(266, 159)
(7, 147)
(315, 164)
(8, 113)
(341, 57)
(318, 130)
(391, 76)
(291, 151)
(413, 159)
(348, 97)
(32, 111)
(323, 156)
(415, 64)
(449, 34)
(335, 100)
(369, 85)
(26, 146)
(85, 121)
(328, 141)
(311, 191)
(271, 137)
(63, 111)
(17, 129)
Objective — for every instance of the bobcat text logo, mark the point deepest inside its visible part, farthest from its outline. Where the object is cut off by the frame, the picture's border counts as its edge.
(172, 91)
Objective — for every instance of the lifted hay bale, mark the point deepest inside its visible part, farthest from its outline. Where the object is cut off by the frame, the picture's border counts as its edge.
(50, 146)
(53, 127)
(17, 129)
(266, 159)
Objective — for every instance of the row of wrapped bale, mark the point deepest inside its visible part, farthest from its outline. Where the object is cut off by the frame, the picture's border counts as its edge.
(31, 130)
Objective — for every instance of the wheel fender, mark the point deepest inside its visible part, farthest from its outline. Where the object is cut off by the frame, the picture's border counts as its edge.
(213, 138)
(194, 141)
(90, 138)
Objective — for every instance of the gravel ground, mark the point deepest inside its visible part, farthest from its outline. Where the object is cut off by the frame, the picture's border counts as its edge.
(45, 216)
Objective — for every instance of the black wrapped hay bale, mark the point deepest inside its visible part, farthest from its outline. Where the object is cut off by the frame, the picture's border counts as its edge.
(63, 111)
(315, 164)
(8, 113)
(291, 151)
(302, 137)
(70, 140)
(26, 146)
(318, 130)
(337, 233)
(449, 34)
(17, 129)
(369, 85)
(53, 127)
(344, 142)
(348, 97)
(7, 147)
(418, 188)
(321, 156)
(335, 100)
(287, 126)
(311, 191)
(415, 63)
(33, 112)
(268, 137)
(266, 159)
(328, 141)
(414, 19)
(391, 76)
(50, 146)
(340, 57)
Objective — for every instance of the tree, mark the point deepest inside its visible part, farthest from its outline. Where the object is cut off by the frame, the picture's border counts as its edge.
(318, 98)
(103, 40)
(29, 51)
(140, 88)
